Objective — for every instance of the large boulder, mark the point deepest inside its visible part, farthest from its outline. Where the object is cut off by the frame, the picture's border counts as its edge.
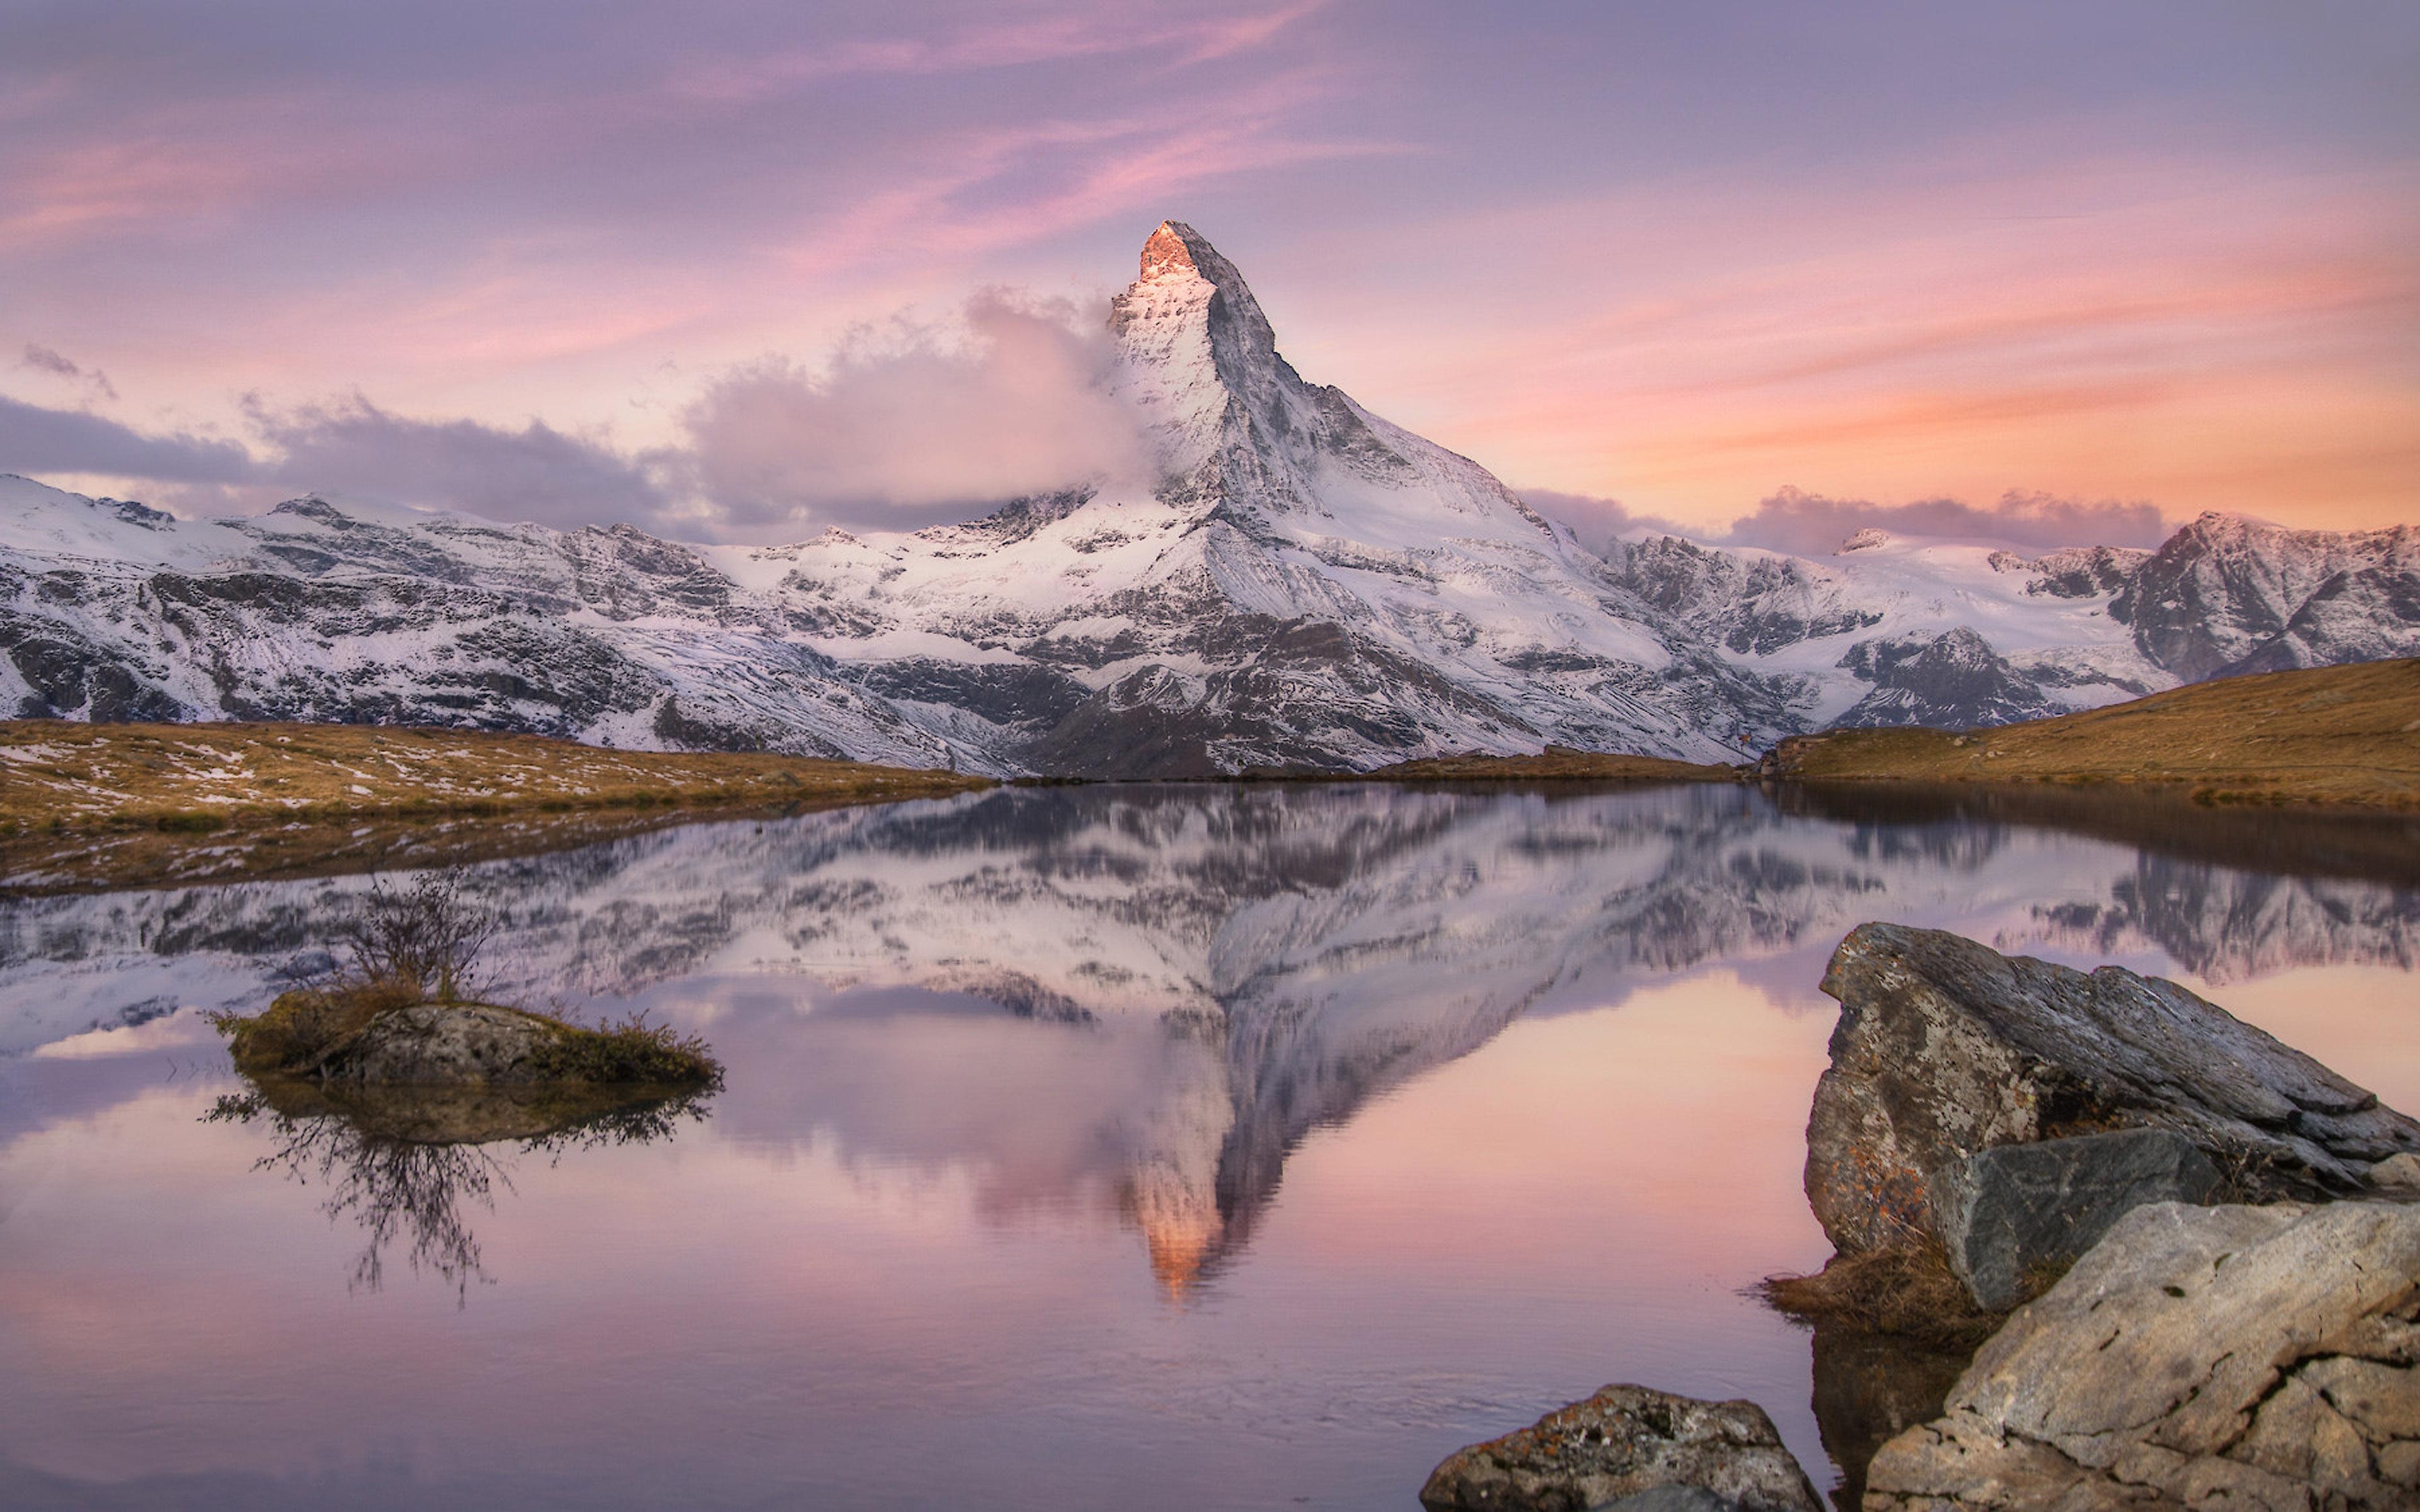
(1633, 1448)
(2014, 1216)
(1947, 1048)
(2242, 1357)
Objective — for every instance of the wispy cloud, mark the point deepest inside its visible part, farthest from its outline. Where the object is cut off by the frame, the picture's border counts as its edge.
(43, 359)
(1092, 32)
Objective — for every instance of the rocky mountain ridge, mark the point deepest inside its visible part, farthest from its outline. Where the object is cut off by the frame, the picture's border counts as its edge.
(1299, 583)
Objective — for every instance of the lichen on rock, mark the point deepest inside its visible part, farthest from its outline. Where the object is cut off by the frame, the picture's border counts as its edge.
(1625, 1442)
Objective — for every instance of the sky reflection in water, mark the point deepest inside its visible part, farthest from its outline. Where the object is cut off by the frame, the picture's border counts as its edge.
(1207, 1147)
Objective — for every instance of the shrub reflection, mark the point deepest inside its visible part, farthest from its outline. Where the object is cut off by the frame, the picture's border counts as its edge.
(412, 1165)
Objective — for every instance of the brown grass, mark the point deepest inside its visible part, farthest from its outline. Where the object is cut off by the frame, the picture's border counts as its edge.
(1909, 1291)
(304, 1030)
(295, 1035)
(2344, 735)
(87, 805)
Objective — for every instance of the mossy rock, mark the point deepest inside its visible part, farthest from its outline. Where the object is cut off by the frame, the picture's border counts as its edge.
(379, 1036)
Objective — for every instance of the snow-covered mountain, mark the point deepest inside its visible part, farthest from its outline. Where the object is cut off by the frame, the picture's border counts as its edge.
(1302, 583)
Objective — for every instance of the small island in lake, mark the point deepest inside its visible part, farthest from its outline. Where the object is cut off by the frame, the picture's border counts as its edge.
(404, 1018)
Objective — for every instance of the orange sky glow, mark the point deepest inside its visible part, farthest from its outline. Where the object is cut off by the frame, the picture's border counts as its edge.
(1613, 252)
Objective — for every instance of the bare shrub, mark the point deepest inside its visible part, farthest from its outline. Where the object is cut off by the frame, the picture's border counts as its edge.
(423, 939)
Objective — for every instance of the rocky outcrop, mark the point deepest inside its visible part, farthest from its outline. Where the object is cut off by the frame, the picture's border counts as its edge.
(1953, 681)
(358, 1035)
(1624, 1442)
(2228, 1357)
(2226, 595)
(450, 1045)
(1944, 1048)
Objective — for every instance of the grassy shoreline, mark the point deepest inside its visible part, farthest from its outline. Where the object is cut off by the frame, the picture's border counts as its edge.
(86, 806)
(2338, 736)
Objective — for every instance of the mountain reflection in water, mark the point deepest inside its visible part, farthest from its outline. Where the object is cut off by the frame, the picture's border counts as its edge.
(989, 1210)
(1237, 965)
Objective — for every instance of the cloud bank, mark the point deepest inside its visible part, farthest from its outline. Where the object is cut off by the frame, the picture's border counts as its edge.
(34, 440)
(354, 449)
(1809, 524)
(909, 424)
(916, 424)
(1813, 525)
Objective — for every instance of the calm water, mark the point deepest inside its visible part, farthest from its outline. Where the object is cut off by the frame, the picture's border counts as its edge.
(1183, 1147)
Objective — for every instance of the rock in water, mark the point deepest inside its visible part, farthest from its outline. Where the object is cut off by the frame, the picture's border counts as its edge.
(1945, 1048)
(1621, 1444)
(449, 1043)
(2198, 1357)
(2014, 1215)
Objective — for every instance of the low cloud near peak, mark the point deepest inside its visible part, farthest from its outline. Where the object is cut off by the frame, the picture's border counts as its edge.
(1814, 525)
(910, 422)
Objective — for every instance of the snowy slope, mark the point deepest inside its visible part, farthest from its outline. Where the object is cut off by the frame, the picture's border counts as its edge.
(1298, 582)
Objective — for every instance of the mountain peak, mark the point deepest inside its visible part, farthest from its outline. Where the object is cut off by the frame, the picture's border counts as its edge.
(1170, 249)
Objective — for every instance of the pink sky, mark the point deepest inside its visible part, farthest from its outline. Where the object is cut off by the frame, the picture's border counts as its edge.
(1678, 255)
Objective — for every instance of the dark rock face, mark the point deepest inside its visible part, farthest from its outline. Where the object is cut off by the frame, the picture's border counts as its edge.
(1955, 681)
(2013, 1215)
(1621, 1442)
(2227, 595)
(2083, 572)
(1674, 1499)
(1751, 605)
(2196, 1358)
(1945, 1048)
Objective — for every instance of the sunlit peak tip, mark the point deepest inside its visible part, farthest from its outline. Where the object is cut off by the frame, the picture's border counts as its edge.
(1170, 249)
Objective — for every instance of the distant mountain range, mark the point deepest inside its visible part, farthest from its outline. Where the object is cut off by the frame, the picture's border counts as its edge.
(1305, 585)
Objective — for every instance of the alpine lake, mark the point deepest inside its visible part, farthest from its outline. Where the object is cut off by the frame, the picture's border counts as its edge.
(1180, 1147)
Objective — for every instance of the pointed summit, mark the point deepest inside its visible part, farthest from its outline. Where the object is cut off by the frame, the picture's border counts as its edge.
(1167, 249)
(1177, 254)
(1200, 354)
